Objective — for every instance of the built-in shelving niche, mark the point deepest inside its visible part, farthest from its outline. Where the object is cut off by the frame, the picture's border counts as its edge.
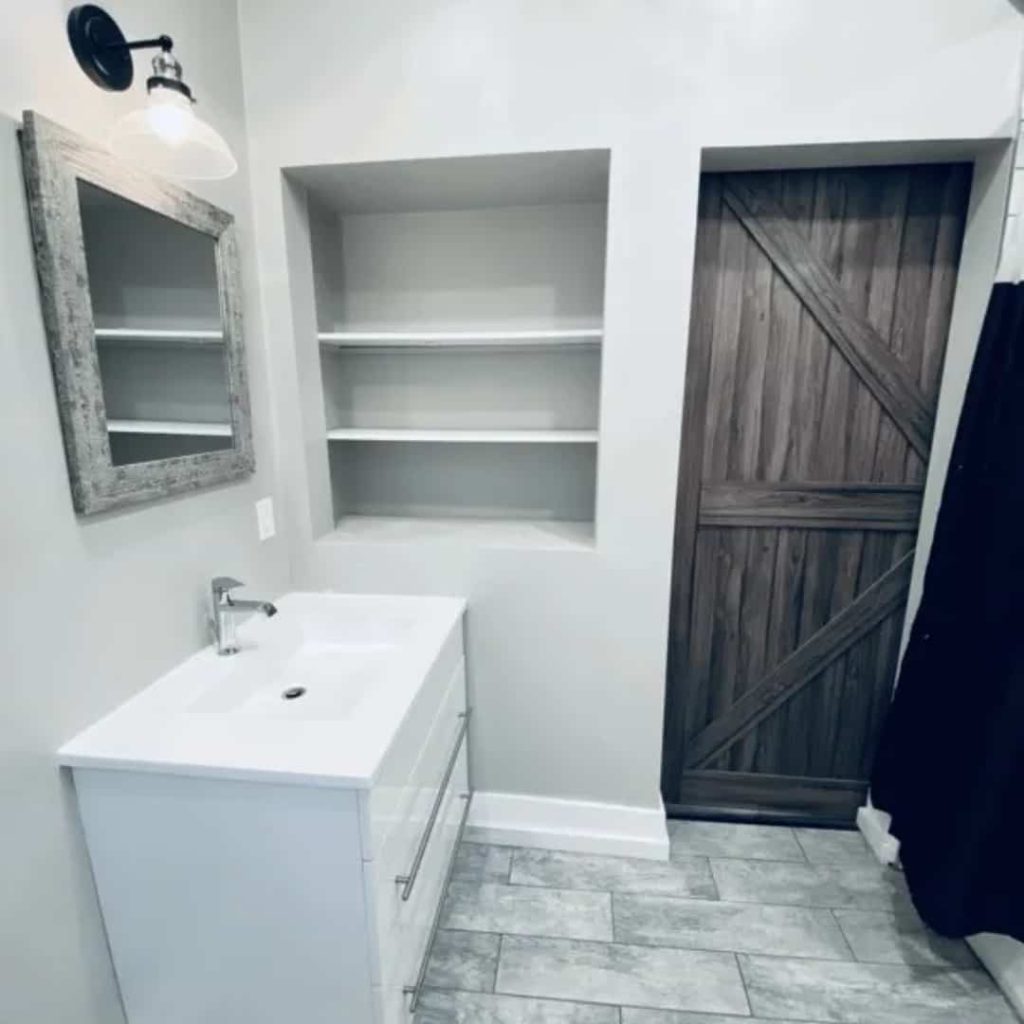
(459, 315)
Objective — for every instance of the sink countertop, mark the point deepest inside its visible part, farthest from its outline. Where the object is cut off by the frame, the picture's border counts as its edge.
(362, 658)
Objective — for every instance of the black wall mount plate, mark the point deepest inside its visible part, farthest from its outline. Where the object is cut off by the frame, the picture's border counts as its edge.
(100, 47)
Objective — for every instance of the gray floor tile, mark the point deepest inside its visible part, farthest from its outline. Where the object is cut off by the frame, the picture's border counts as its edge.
(671, 979)
(860, 886)
(834, 846)
(721, 839)
(527, 910)
(463, 960)
(690, 876)
(731, 927)
(900, 938)
(854, 993)
(477, 862)
(634, 1016)
(474, 1008)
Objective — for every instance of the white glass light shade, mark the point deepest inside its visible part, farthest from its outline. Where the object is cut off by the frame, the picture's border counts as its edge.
(166, 137)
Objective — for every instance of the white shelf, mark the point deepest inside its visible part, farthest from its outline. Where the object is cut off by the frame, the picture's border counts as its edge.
(153, 334)
(464, 436)
(460, 339)
(169, 427)
(501, 533)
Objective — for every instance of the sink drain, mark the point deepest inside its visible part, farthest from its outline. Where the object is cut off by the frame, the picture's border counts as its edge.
(293, 692)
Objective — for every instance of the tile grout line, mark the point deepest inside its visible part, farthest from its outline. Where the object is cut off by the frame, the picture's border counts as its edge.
(497, 964)
(699, 949)
(637, 944)
(800, 846)
(714, 882)
(684, 856)
(565, 1000)
(576, 888)
(714, 879)
(843, 935)
(931, 968)
(688, 897)
(743, 983)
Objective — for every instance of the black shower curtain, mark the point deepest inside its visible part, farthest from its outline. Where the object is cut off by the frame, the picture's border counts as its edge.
(950, 766)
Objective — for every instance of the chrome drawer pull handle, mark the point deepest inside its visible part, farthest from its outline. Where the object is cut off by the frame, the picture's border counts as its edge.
(408, 881)
(416, 989)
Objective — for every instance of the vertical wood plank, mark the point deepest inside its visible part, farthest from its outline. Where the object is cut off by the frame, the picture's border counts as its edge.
(723, 585)
(823, 364)
(691, 455)
(891, 191)
(757, 552)
(796, 339)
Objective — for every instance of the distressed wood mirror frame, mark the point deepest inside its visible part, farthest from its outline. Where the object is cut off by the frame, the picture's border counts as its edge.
(55, 159)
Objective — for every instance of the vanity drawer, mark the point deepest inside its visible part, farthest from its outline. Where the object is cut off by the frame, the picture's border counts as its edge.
(403, 945)
(387, 804)
(407, 804)
(397, 856)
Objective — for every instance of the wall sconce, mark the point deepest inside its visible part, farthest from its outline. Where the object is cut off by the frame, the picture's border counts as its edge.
(165, 135)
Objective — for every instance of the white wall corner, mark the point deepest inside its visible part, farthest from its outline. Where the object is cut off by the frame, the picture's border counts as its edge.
(578, 826)
(874, 827)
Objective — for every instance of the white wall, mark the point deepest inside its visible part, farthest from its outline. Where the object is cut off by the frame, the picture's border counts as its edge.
(567, 648)
(92, 610)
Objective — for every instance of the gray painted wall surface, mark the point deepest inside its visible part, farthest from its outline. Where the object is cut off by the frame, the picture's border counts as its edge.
(93, 610)
(566, 648)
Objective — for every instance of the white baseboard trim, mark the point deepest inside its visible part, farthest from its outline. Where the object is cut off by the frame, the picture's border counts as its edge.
(1003, 958)
(578, 826)
(874, 827)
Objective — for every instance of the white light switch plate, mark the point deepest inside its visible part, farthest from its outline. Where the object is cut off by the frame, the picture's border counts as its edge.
(265, 518)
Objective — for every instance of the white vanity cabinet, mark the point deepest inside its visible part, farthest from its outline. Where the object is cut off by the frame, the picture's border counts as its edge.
(249, 897)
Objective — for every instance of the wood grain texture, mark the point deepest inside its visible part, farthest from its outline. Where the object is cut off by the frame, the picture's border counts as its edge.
(811, 657)
(836, 506)
(54, 160)
(823, 295)
(702, 316)
(781, 799)
(801, 465)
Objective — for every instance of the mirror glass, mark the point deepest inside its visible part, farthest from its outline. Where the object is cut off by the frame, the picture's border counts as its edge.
(156, 309)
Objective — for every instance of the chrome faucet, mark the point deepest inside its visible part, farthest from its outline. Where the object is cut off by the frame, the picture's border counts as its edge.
(224, 605)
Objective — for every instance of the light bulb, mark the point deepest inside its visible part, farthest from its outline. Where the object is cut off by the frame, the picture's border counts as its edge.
(169, 116)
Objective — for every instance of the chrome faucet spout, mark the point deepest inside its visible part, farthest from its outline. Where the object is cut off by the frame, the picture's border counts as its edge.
(225, 606)
(266, 607)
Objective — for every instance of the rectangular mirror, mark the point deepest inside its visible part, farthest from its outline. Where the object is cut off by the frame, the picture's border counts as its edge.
(140, 293)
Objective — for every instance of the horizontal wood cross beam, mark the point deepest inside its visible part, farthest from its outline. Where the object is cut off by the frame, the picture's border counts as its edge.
(833, 506)
(823, 295)
(796, 671)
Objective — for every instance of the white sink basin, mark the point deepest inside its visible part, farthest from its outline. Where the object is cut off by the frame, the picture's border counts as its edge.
(330, 647)
(316, 681)
(315, 693)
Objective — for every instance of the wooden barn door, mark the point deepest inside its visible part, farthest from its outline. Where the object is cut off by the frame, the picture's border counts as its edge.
(821, 308)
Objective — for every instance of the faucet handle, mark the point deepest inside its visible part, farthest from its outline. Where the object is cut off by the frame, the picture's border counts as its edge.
(221, 585)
